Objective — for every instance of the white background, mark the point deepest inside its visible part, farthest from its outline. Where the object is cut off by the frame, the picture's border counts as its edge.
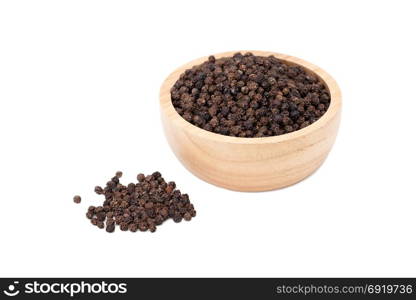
(79, 85)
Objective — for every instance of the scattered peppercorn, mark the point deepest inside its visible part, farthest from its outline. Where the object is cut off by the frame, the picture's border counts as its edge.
(99, 190)
(139, 206)
(110, 227)
(249, 96)
(77, 199)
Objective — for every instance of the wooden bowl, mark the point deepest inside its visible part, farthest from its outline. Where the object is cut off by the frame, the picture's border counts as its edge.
(251, 164)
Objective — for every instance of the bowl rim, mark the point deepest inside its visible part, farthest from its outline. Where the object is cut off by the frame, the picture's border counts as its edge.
(170, 112)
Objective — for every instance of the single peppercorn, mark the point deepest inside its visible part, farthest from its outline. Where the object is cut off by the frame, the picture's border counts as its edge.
(177, 218)
(99, 190)
(133, 227)
(77, 199)
(187, 216)
(110, 227)
(152, 227)
(140, 177)
(143, 226)
(124, 226)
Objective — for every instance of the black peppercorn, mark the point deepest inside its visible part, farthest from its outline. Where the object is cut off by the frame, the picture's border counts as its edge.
(77, 199)
(143, 226)
(187, 216)
(140, 177)
(99, 190)
(124, 226)
(100, 224)
(133, 227)
(177, 218)
(110, 227)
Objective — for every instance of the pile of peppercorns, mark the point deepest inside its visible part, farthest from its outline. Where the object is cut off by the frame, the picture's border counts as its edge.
(249, 96)
(139, 206)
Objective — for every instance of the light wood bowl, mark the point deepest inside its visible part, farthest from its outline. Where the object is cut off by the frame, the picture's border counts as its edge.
(251, 164)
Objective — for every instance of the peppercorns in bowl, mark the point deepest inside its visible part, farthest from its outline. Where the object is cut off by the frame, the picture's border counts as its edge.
(250, 120)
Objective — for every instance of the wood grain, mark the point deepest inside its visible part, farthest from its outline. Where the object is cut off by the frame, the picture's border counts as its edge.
(251, 164)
